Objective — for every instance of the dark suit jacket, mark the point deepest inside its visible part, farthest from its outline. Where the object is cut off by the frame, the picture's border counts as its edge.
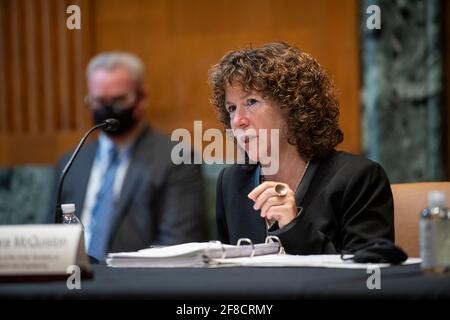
(160, 203)
(346, 201)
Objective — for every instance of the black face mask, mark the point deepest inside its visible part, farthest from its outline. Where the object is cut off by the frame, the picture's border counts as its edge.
(124, 116)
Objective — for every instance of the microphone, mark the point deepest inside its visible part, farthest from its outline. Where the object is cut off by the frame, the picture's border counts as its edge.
(109, 125)
(112, 125)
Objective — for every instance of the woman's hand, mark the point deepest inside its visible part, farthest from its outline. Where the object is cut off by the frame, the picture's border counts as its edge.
(273, 206)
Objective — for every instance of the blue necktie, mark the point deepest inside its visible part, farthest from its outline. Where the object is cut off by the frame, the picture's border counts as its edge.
(102, 214)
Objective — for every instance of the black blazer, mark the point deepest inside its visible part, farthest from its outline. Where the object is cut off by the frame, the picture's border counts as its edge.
(160, 202)
(346, 201)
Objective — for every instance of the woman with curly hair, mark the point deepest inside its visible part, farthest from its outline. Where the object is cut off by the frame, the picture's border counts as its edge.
(320, 200)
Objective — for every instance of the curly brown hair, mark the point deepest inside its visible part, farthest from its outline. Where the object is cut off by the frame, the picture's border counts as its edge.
(292, 79)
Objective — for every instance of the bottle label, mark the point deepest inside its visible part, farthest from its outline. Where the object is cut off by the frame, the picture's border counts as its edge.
(428, 243)
(443, 243)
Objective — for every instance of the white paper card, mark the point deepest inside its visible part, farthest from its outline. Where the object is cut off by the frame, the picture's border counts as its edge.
(319, 261)
(41, 249)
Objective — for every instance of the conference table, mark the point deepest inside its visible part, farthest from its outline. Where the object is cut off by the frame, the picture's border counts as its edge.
(247, 283)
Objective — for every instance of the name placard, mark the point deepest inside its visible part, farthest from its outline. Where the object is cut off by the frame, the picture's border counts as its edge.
(41, 249)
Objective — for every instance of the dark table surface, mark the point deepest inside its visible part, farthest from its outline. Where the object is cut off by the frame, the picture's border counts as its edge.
(403, 282)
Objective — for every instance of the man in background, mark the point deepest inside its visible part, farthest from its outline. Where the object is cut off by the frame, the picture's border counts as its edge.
(125, 187)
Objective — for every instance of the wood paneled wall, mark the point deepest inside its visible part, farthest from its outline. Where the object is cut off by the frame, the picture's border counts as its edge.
(41, 79)
(42, 63)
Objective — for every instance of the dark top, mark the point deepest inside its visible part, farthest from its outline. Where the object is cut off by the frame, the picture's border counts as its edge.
(346, 201)
(154, 207)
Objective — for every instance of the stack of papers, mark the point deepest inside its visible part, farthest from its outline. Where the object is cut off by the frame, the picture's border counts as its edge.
(211, 254)
(320, 261)
(193, 254)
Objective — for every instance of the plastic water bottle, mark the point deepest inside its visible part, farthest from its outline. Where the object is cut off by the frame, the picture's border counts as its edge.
(69, 216)
(435, 235)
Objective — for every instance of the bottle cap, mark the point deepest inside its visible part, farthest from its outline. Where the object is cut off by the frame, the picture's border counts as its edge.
(68, 208)
(436, 199)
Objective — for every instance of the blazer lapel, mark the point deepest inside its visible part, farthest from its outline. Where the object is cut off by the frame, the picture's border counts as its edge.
(133, 176)
(256, 225)
(306, 181)
(129, 185)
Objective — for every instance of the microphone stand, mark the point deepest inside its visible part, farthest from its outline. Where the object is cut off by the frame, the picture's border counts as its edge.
(58, 211)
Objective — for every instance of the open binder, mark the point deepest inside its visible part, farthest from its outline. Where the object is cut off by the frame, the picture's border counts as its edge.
(193, 254)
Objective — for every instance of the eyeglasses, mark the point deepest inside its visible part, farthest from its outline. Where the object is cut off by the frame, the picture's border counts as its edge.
(121, 101)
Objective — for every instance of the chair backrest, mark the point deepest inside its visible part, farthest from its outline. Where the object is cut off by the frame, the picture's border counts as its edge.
(409, 200)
